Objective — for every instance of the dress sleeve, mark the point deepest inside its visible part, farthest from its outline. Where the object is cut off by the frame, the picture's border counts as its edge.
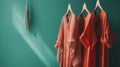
(107, 37)
(60, 39)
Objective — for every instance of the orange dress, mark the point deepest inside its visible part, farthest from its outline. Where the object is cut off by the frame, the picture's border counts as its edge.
(106, 39)
(97, 25)
(88, 39)
(80, 21)
(68, 45)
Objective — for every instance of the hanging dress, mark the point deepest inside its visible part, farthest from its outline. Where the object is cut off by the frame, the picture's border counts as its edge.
(88, 40)
(106, 39)
(80, 21)
(69, 54)
(97, 26)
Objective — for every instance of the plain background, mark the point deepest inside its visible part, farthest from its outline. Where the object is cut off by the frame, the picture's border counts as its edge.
(35, 48)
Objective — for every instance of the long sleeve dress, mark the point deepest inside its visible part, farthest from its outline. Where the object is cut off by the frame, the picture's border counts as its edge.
(68, 46)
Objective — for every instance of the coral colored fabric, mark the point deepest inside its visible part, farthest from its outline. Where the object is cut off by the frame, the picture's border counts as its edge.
(88, 39)
(105, 38)
(68, 45)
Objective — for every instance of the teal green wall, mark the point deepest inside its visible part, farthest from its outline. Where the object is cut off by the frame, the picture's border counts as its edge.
(34, 48)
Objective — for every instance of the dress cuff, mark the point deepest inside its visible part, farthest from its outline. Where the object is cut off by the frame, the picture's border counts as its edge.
(58, 44)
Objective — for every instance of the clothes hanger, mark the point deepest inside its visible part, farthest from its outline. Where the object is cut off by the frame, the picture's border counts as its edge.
(69, 9)
(98, 5)
(85, 8)
(27, 17)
